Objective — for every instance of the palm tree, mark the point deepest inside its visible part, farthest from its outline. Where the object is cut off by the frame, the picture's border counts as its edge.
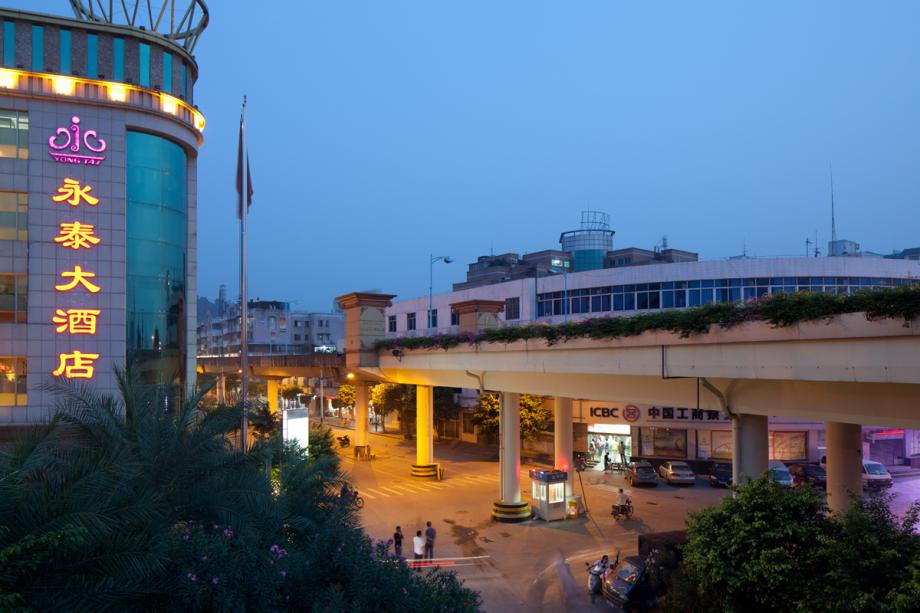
(119, 504)
(122, 472)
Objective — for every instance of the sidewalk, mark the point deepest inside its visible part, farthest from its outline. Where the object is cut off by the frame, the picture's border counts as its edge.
(903, 472)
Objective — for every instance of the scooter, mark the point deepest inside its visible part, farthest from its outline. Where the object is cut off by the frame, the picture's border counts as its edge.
(620, 511)
(595, 577)
(344, 441)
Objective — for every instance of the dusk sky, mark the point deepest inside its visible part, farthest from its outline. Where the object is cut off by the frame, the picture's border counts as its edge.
(381, 132)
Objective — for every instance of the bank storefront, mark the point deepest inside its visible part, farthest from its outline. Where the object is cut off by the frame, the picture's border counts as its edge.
(658, 433)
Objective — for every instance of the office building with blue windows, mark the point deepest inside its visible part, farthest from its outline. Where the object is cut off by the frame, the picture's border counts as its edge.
(99, 138)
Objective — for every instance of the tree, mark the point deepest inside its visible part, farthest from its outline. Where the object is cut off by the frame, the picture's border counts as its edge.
(446, 408)
(395, 397)
(345, 397)
(756, 549)
(535, 416)
(120, 505)
(770, 545)
(291, 392)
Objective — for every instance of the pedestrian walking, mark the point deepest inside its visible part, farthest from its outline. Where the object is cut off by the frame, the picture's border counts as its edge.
(418, 546)
(429, 541)
(622, 449)
(397, 541)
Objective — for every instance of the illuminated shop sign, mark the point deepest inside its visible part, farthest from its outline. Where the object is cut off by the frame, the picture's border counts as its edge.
(76, 236)
(632, 413)
(67, 144)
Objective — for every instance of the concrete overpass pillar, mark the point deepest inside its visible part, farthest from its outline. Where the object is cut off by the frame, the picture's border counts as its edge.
(424, 466)
(563, 441)
(844, 464)
(750, 447)
(362, 393)
(272, 393)
(510, 508)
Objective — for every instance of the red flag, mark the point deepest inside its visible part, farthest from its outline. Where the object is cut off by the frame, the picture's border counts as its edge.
(239, 177)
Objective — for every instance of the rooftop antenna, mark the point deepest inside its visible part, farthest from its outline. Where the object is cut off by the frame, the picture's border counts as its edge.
(833, 220)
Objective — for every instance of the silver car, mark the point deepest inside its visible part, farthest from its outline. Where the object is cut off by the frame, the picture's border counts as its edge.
(677, 473)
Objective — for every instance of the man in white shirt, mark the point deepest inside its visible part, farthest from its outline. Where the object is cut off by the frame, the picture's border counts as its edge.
(418, 545)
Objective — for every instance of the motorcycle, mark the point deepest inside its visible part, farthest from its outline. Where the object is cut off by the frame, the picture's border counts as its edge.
(352, 496)
(619, 511)
(344, 441)
(595, 577)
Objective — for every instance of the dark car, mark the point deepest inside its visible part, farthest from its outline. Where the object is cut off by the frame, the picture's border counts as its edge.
(641, 473)
(808, 474)
(626, 584)
(720, 475)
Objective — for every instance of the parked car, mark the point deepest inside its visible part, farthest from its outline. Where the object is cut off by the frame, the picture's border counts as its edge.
(626, 584)
(875, 476)
(808, 474)
(779, 474)
(720, 475)
(640, 473)
(677, 473)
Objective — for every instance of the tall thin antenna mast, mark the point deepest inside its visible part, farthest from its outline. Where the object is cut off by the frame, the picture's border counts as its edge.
(833, 220)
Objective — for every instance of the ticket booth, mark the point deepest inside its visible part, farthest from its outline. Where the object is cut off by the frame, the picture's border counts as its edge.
(548, 499)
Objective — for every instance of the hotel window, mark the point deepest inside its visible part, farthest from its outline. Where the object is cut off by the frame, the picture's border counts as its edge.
(118, 59)
(92, 55)
(14, 292)
(454, 318)
(12, 381)
(14, 135)
(410, 321)
(9, 43)
(144, 61)
(433, 318)
(65, 51)
(14, 216)
(391, 323)
(38, 48)
(512, 308)
(167, 72)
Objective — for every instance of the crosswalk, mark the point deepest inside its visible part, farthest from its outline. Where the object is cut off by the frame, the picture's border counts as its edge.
(403, 488)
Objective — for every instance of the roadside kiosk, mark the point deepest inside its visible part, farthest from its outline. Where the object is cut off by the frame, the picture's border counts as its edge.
(548, 501)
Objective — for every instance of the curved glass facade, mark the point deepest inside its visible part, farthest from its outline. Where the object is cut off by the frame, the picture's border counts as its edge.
(156, 299)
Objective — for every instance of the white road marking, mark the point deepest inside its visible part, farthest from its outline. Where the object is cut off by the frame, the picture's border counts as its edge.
(367, 489)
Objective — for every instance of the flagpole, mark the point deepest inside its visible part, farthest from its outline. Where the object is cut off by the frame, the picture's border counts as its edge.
(244, 302)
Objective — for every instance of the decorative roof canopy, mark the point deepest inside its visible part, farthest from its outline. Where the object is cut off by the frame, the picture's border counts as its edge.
(181, 21)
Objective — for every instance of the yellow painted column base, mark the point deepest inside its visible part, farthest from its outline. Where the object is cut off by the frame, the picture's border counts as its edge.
(510, 512)
(425, 471)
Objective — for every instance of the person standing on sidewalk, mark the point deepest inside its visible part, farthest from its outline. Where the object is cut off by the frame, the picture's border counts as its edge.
(397, 541)
(429, 541)
(418, 546)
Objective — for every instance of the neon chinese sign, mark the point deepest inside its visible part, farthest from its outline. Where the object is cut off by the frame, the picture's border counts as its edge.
(76, 236)
(66, 145)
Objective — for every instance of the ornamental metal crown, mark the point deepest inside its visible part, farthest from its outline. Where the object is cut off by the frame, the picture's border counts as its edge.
(181, 21)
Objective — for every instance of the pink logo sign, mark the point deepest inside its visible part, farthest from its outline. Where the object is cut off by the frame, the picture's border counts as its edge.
(65, 145)
(631, 412)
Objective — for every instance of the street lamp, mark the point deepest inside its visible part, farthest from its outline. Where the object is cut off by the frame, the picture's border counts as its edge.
(440, 258)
